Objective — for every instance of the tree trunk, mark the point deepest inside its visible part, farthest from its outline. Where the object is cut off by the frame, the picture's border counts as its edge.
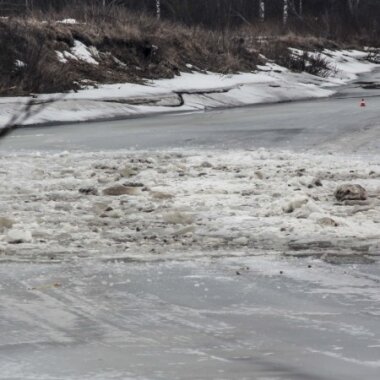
(353, 6)
(158, 9)
(262, 10)
(285, 15)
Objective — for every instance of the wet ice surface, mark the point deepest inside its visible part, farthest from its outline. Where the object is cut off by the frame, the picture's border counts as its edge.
(185, 204)
(279, 319)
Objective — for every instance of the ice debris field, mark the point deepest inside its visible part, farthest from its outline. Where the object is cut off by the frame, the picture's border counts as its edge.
(144, 205)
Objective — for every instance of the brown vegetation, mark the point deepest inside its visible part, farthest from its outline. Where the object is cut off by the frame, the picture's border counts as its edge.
(134, 47)
(130, 49)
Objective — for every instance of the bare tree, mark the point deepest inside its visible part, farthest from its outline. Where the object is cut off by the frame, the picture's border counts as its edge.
(158, 9)
(31, 108)
(353, 6)
(285, 15)
(340, 16)
(262, 10)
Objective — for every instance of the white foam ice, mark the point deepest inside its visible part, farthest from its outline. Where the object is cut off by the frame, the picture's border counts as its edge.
(185, 205)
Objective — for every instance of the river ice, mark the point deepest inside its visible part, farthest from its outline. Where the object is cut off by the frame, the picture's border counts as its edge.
(185, 204)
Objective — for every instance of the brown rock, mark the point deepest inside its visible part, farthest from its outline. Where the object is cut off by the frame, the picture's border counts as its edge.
(128, 172)
(351, 193)
(206, 164)
(327, 222)
(90, 190)
(177, 217)
(121, 190)
(5, 223)
(259, 174)
(160, 195)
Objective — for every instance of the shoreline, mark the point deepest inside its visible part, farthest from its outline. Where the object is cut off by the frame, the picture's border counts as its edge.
(196, 92)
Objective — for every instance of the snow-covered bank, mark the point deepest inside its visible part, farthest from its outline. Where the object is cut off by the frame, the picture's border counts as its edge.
(143, 205)
(192, 92)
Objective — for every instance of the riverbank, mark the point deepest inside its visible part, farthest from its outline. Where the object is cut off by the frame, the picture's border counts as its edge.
(188, 92)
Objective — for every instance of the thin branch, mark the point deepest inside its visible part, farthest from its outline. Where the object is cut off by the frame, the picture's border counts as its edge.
(31, 108)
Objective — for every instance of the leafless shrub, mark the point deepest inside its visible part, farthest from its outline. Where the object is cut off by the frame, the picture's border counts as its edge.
(28, 110)
(373, 56)
(28, 62)
(312, 63)
(318, 65)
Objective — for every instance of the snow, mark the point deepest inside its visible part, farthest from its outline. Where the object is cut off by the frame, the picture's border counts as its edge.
(111, 101)
(15, 236)
(61, 56)
(20, 64)
(187, 204)
(346, 65)
(79, 52)
(188, 92)
(67, 21)
(349, 63)
(83, 53)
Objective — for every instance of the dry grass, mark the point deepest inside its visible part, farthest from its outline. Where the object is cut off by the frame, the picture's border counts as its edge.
(132, 48)
(307, 41)
(28, 61)
(142, 47)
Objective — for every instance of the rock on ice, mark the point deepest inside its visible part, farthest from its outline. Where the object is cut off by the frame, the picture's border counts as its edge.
(351, 193)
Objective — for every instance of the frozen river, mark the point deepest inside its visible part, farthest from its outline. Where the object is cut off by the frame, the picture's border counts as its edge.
(240, 307)
(279, 319)
(336, 123)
